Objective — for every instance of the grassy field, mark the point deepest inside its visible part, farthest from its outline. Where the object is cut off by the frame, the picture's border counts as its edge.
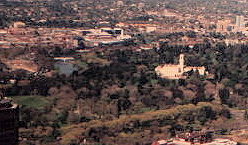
(36, 102)
(92, 58)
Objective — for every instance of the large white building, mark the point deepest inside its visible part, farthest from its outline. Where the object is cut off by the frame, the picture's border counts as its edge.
(172, 71)
(95, 37)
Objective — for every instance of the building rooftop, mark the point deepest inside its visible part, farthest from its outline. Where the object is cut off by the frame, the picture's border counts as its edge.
(6, 103)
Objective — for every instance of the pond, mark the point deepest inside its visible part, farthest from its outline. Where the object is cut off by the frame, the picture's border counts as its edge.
(66, 68)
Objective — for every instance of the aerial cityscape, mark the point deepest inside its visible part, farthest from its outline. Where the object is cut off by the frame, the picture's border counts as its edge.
(123, 72)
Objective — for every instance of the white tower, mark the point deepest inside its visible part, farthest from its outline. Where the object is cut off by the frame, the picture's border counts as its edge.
(181, 62)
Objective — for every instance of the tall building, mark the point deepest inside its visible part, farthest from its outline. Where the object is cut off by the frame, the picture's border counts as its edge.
(9, 118)
(240, 23)
(181, 62)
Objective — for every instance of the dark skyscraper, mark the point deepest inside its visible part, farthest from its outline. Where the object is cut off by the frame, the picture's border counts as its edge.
(9, 117)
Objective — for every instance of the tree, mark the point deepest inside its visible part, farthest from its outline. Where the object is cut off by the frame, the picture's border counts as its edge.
(205, 114)
(191, 34)
(246, 115)
(3, 20)
(224, 95)
(226, 113)
(123, 104)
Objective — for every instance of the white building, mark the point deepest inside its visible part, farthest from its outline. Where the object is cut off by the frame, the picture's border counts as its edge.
(19, 24)
(172, 71)
(95, 37)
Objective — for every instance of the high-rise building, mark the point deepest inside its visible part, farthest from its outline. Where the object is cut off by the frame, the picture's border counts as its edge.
(181, 62)
(240, 23)
(9, 119)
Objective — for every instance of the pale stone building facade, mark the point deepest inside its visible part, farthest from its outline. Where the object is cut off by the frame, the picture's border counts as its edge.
(172, 71)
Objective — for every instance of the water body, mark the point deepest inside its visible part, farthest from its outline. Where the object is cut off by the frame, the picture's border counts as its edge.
(65, 68)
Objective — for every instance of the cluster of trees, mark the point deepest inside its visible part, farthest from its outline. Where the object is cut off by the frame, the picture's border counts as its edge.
(153, 122)
(112, 84)
(3, 20)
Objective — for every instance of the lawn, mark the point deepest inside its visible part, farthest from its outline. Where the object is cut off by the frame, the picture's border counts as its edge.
(36, 102)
